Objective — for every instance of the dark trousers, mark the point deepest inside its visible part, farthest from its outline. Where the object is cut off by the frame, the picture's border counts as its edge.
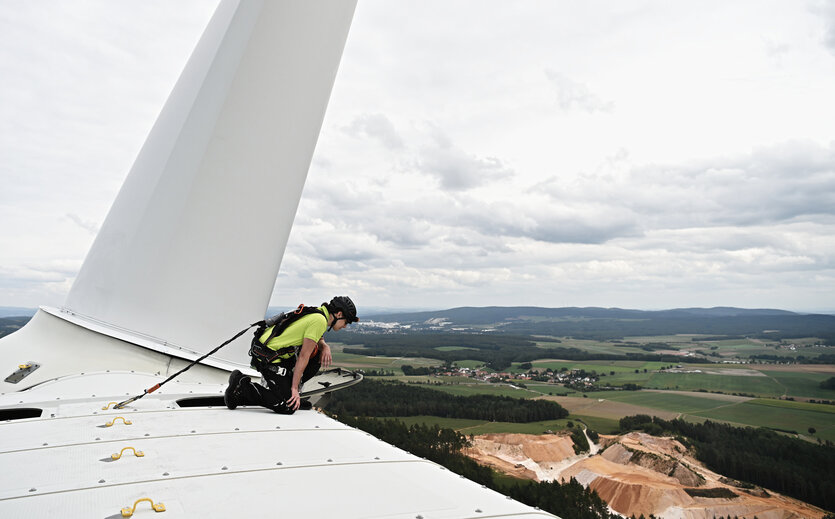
(279, 379)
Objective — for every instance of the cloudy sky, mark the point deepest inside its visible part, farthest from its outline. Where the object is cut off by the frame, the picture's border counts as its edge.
(640, 154)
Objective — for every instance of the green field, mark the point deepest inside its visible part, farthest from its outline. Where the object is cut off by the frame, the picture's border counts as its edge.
(485, 389)
(469, 363)
(757, 385)
(801, 384)
(362, 361)
(600, 366)
(665, 401)
(779, 414)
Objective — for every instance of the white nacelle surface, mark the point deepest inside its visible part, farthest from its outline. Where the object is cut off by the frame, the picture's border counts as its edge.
(210, 461)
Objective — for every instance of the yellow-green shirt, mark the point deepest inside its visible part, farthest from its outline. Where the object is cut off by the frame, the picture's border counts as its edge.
(311, 327)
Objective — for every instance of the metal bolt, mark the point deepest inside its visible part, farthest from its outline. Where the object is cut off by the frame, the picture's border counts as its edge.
(165, 473)
(224, 468)
(33, 490)
(101, 481)
(330, 460)
(478, 510)
(279, 463)
(237, 429)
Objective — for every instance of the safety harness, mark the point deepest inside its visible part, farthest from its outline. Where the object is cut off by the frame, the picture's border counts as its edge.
(261, 356)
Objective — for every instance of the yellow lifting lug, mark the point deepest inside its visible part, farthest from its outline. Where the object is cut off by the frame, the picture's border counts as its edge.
(105, 408)
(24, 366)
(128, 511)
(136, 453)
(113, 421)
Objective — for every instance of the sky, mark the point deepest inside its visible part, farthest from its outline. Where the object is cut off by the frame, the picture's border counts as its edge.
(631, 153)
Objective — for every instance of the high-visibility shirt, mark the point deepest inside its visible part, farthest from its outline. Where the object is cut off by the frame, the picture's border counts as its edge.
(311, 327)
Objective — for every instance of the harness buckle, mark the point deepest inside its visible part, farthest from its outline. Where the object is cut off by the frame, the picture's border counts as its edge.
(278, 370)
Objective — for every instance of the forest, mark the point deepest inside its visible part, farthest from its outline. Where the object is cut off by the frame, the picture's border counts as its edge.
(391, 399)
(443, 446)
(763, 457)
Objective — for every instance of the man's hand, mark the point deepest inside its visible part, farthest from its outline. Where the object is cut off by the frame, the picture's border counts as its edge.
(325, 359)
(295, 400)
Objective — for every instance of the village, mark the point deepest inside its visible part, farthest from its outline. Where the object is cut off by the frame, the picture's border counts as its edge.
(578, 379)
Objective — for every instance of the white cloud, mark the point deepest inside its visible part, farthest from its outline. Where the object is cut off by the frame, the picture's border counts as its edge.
(826, 10)
(454, 168)
(377, 126)
(644, 154)
(572, 95)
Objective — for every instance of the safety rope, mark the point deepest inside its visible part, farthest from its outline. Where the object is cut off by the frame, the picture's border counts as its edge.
(157, 386)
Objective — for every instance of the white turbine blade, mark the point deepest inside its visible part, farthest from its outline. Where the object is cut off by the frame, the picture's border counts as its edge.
(191, 248)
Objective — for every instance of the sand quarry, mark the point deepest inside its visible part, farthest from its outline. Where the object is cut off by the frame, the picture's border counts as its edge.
(635, 474)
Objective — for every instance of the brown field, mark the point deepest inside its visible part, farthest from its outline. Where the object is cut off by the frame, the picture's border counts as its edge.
(607, 408)
(803, 368)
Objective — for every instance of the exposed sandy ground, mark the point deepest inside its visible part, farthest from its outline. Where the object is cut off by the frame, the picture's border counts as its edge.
(635, 474)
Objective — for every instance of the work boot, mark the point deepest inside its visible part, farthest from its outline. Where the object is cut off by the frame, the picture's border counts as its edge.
(305, 405)
(232, 396)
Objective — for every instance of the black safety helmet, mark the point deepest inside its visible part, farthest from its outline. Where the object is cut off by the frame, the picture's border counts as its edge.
(344, 304)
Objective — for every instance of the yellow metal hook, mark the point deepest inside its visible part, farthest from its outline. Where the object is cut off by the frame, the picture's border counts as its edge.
(110, 423)
(128, 511)
(105, 408)
(136, 453)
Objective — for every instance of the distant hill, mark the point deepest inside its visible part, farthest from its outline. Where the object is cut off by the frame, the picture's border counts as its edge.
(16, 311)
(615, 323)
(493, 314)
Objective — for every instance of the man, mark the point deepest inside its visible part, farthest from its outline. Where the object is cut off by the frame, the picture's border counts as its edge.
(300, 350)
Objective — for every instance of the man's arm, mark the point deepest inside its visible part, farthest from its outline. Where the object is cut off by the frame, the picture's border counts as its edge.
(325, 356)
(307, 349)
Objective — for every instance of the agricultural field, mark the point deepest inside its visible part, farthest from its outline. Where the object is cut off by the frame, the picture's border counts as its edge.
(350, 360)
(742, 394)
(600, 366)
(779, 414)
(486, 389)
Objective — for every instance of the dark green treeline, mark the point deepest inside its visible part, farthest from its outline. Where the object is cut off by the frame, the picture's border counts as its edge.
(389, 399)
